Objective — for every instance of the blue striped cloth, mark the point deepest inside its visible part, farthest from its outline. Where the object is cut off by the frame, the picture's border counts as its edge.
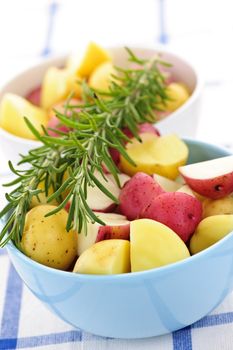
(196, 30)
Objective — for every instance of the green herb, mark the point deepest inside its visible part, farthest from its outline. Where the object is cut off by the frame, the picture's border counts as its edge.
(67, 164)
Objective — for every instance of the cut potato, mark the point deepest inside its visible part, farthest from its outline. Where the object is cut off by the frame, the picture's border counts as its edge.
(153, 244)
(57, 85)
(186, 189)
(123, 178)
(46, 240)
(83, 64)
(116, 227)
(212, 178)
(161, 155)
(13, 109)
(105, 258)
(54, 87)
(102, 76)
(167, 184)
(99, 201)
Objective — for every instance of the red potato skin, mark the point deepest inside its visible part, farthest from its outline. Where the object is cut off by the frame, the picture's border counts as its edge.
(34, 96)
(142, 128)
(216, 188)
(67, 206)
(113, 232)
(179, 211)
(137, 194)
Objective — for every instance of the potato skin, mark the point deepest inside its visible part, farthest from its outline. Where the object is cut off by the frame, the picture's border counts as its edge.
(217, 206)
(46, 240)
(179, 211)
(209, 231)
(137, 194)
(215, 188)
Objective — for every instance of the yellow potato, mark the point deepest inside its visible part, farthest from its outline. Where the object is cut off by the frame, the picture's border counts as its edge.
(217, 206)
(105, 258)
(46, 240)
(153, 244)
(178, 94)
(84, 64)
(42, 196)
(57, 85)
(13, 109)
(102, 76)
(161, 155)
(209, 231)
(74, 85)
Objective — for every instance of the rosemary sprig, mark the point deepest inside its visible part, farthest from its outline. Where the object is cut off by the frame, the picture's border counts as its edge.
(68, 163)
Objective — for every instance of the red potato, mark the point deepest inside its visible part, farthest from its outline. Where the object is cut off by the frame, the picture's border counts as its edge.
(142, 128)
(137, 194)
(179, 211)
(117, 227)
(113, 231)
(34, 96)
(212, 178)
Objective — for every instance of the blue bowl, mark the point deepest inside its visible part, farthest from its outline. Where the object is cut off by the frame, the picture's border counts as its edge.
(141, 304)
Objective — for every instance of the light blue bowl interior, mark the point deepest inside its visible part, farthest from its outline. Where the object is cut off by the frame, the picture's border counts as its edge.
(142, 304)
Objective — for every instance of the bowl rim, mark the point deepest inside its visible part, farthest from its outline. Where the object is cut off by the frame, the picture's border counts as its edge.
(131, 276)
(62, 57)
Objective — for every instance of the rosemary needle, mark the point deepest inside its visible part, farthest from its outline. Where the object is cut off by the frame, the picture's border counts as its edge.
(67, 163)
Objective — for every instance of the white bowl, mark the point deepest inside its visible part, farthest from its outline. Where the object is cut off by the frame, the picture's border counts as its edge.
(183, 121)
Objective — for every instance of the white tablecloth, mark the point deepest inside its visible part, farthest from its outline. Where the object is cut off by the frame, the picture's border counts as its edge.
(199, 30)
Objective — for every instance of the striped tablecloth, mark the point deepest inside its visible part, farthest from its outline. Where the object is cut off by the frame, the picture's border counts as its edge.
(199, 30)
(27, 324)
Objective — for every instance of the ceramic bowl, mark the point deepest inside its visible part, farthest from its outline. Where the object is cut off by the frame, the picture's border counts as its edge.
(183, 121)
(141, 304)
